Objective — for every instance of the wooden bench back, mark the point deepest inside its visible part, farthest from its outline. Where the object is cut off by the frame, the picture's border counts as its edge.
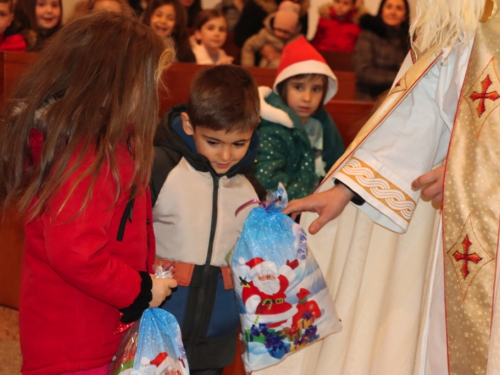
(348, 115)
(346, 112)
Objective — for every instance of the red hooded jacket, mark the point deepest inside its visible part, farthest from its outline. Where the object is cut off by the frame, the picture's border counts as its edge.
(337, 35)
(76, 274)
(15, 43)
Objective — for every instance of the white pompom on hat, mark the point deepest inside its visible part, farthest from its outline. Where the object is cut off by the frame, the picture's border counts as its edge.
(300, 57)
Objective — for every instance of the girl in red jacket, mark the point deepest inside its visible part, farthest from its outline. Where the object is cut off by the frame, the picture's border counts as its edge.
(336, 29)
(75, 154)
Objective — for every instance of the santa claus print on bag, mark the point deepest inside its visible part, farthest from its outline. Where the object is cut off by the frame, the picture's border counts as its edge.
(283, 299)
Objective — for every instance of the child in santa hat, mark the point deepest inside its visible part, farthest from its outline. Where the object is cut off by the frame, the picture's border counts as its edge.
(299, 139)
(279, 29)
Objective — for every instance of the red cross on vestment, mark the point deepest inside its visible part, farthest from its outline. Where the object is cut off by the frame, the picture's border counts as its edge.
(466, 257)
(482, 96)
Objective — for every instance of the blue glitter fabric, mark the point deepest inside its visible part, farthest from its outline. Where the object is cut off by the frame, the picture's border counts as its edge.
(283, 299)
(152, 346)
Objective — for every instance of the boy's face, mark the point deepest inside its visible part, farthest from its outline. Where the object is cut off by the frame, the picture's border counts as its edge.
(304, 95)
(5, 17)
(223, 150)
(342, 7)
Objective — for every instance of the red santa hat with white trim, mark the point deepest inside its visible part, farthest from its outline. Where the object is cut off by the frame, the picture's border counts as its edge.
(260, 266)
(300, 57)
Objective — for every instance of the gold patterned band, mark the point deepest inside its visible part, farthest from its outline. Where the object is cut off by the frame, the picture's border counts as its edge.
(472, 207)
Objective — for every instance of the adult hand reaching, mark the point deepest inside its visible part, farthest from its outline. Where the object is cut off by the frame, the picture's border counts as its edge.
(328, 204)
(431, 185)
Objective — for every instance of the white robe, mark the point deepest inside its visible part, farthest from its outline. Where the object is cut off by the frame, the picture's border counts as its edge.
(386, 285)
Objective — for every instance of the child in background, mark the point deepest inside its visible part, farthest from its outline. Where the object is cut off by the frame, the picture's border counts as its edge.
(38, 20)
(10, 40)
(299, 139)
(208, 38)
(336, 30)
(203, 156)
(88, 112)
(167, 18)
(279, 29)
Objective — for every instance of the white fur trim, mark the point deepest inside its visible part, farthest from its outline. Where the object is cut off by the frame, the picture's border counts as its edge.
(270, 113)
(310, 67)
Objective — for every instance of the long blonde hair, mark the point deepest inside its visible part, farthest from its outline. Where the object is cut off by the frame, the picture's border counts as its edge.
(97, 80)
(443, 23)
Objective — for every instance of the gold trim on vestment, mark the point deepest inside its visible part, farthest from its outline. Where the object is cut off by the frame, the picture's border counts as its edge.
(380, 187)
(471, 207)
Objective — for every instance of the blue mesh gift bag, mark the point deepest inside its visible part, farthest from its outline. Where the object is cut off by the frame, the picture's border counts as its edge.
(283, 299)
(152, 345)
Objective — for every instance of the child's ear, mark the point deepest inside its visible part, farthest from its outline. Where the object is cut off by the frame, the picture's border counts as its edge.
(186, 124)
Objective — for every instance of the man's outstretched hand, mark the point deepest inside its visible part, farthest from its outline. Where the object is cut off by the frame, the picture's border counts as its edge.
(328, 204)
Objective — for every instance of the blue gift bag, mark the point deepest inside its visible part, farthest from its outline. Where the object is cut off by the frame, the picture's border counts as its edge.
(283, 299)
(152, 346)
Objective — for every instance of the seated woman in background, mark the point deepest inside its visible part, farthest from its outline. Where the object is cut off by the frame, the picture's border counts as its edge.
(381, 48)
(37, 20)
(167, 18)
(93, 6)
(210, 33)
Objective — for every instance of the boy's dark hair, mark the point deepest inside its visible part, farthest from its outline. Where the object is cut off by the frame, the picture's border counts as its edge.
(282, 87)
(11, 4)
(224, 97)
(206, 15)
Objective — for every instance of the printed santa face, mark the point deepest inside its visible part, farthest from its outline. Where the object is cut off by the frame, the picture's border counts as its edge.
(267, 283)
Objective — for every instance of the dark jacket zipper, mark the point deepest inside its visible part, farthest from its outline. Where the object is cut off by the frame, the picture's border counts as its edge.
(206, 267)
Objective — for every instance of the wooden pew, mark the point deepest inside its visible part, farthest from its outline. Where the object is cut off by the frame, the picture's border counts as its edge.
(179, 76)
(12, 66)
(347, 114)
(338, 61)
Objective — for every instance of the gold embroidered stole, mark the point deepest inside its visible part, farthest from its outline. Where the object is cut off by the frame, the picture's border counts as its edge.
(472, 207)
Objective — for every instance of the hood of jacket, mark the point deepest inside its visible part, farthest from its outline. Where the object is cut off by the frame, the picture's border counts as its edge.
(268, 25)
(171, 134)
(274, 109)
(379, 28)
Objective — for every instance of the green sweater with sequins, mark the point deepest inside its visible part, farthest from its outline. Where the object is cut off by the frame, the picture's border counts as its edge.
(286, 155)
